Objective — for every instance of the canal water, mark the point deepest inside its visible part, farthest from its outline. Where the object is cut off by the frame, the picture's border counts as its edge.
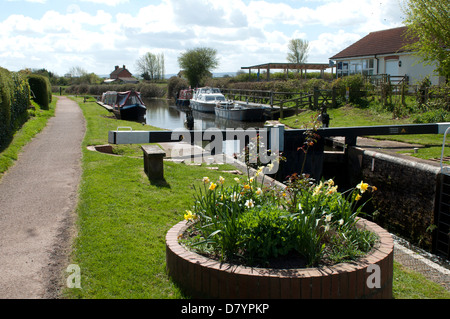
(166, 115)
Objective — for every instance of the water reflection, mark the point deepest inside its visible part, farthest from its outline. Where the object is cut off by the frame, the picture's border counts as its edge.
(165, 114)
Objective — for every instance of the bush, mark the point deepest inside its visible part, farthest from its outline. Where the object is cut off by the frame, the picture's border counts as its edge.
(433, 116)
(6, 96)
(355, 83)
(21, 101)
(175, 85)
(14, 102)
(41, 90)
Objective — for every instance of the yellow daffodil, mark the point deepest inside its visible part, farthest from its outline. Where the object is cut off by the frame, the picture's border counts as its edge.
(362, 187)
(212, 186)
(221, 180)
(205, 180)
(189, 215)
(332, 190)
(358, 197)
(258, 191)
(247, 186)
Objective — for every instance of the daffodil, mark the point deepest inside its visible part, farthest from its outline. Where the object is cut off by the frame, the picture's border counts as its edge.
(249, 203)
(332, 190)
(212, 186)
(235, 197)
(358, 197)
(237, 179)
(189, 215)
(247, 186)
(205, 180)
(341, 222)
(258, 191)
(221, 180)
(362, 186)
(328, 218)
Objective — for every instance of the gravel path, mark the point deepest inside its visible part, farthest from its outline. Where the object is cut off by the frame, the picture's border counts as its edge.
(38, 196)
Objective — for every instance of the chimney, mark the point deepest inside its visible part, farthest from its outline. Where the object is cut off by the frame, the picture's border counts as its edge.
(117, 67)
(124, 66)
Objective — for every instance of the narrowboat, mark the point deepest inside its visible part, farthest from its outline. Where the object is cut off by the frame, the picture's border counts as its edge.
(125, 105)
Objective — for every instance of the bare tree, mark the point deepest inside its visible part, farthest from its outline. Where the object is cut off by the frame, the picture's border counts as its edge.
(298, 51)
(151, 66)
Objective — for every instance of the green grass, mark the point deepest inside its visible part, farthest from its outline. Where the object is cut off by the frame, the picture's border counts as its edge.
(123, 220)
(412, 285)
(348, 116)
(37, 121)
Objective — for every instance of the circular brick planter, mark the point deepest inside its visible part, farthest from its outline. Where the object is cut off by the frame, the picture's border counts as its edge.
(200, 277)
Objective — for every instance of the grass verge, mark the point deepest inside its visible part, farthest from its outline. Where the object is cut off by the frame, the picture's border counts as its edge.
(348, 116)
(123, 220)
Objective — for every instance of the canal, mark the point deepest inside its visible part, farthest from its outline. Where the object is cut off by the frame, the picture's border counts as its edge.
(165, 114)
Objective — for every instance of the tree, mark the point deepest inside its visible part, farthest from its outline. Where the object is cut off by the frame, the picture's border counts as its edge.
(298, 51)
(429, 23)
(197, 64)
(151, 66)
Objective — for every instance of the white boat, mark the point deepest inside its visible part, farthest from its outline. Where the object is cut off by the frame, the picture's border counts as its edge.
(205, 99)
(240, 112)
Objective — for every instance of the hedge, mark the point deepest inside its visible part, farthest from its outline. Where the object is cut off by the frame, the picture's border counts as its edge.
(14, 102)
(41, 88)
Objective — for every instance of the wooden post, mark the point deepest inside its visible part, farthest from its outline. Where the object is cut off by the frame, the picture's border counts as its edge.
(316, 97)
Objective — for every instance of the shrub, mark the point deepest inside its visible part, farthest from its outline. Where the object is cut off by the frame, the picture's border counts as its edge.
(6, 96)
(14, 102)
(175, 85)
(40, 87)
(21, 101)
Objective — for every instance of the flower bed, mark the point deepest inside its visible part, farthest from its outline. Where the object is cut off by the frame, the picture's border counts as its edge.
(202, 277)
(246, 238)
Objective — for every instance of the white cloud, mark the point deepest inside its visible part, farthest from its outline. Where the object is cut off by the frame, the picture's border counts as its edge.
(244, 33)
(111, 3)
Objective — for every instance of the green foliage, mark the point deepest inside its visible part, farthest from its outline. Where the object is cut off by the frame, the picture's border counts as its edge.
(248, 222)
(429, 25)
(41, 90)
(14, 102)
(6, 95)
(354, 83)
(20, 102)
(175, 85)
(298, 51)
(197, 64)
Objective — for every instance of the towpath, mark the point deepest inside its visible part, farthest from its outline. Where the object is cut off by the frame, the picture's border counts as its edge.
(38, 196)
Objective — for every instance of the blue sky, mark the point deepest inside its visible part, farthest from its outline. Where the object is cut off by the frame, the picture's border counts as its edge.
(96, 35)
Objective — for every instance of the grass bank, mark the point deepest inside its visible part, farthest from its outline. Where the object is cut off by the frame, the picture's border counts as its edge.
(123, 220)
(37, 121)
(347, 116)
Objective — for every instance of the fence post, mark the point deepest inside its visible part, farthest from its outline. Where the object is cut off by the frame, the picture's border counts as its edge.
(316, 97)
(333, 98)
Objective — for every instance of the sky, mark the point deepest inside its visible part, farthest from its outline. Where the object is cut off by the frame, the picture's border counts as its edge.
(97, 35)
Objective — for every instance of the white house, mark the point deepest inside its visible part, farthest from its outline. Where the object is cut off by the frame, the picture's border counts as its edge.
(383, 52)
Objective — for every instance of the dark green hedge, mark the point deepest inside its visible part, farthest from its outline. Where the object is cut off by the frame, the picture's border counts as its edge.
(41, 88)
(14, 102)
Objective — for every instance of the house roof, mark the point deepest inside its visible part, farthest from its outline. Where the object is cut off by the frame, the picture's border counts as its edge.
(379, 42)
